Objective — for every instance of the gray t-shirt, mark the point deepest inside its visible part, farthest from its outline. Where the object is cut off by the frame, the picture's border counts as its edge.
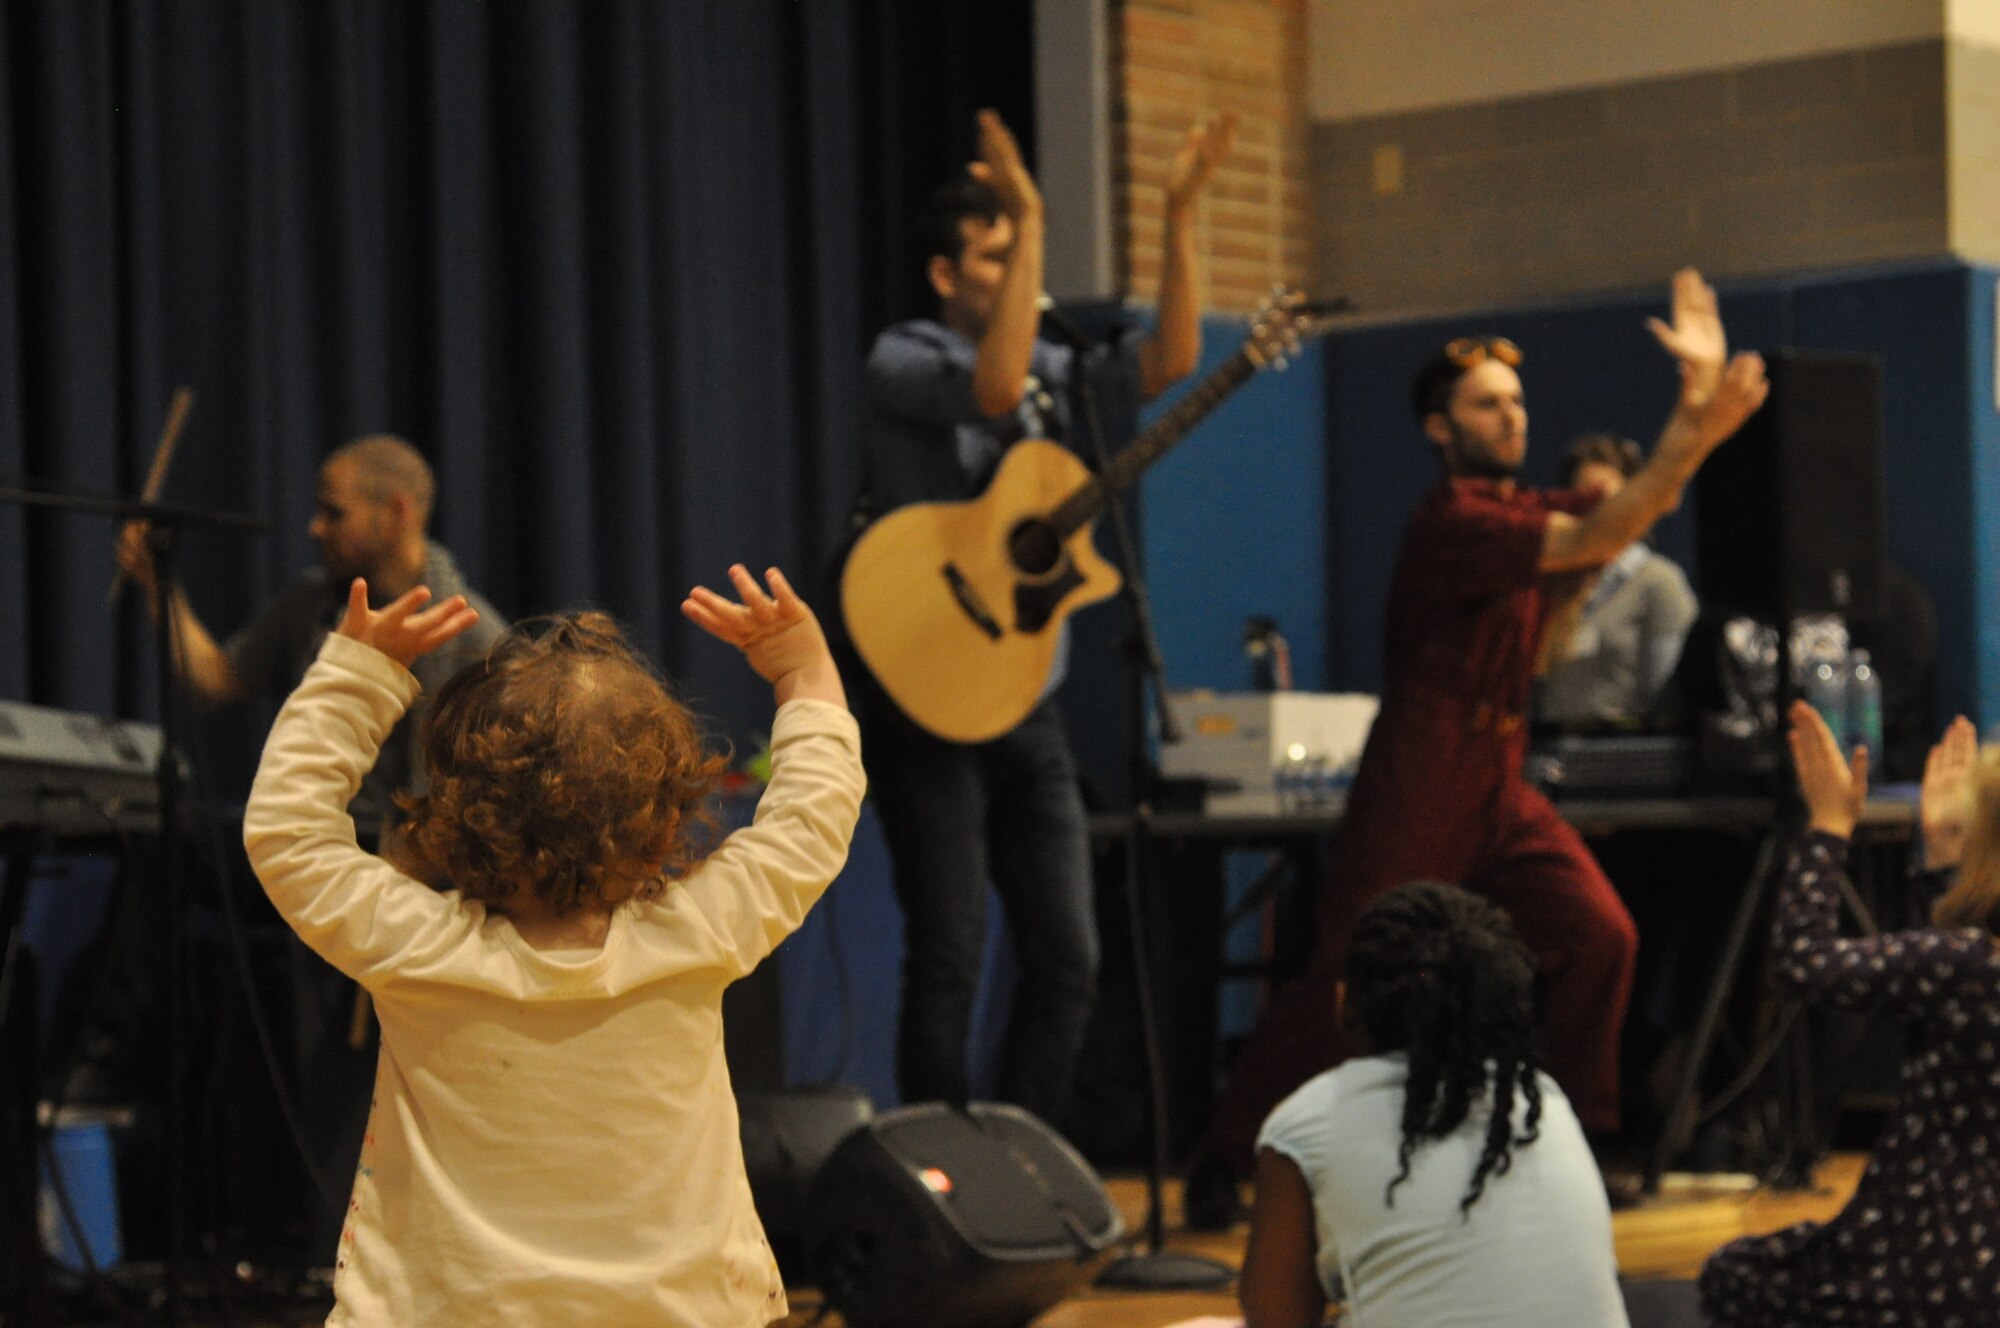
(273, 652)
(1534, 1252)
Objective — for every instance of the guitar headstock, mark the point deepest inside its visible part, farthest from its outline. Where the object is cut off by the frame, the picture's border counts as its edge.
(1284, 320)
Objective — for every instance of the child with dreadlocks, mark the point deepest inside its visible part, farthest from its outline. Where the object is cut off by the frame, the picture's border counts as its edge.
(1440, 1176)
(553, 1139)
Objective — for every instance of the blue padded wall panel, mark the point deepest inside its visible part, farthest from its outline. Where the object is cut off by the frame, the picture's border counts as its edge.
(1234, 523)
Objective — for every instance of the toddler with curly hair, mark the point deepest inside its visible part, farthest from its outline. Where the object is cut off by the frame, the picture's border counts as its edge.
(553, 1138)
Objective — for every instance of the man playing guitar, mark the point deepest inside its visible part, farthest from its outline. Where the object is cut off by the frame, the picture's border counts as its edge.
(946, 397)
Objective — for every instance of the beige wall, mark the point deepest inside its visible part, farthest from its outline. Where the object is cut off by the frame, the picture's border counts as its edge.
(1813, 162)
(1593, 143)
(1371, 57)
(1973, 20)
(1974, 137)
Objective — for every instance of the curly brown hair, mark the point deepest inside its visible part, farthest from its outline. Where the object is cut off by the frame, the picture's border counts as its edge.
(559, 766)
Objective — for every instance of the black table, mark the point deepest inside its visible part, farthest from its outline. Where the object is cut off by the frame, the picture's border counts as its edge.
(1308, 833)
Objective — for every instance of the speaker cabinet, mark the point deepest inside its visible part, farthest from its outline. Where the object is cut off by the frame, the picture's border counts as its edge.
(932, 1217)
(787, 1137)
(1788, 514)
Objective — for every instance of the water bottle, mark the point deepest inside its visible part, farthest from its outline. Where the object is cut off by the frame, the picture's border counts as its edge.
(1825, 689)
(1289, 780)
(1864, 708)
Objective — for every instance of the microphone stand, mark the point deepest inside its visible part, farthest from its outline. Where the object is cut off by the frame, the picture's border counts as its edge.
(166, 521)
(1157, 1268)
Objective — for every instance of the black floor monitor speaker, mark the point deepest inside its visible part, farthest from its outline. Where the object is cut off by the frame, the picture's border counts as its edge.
(787, 1136)
(1788, 514)
(932, 1217)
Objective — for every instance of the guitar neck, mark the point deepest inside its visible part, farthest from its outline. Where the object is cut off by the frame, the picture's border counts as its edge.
(1179, 421)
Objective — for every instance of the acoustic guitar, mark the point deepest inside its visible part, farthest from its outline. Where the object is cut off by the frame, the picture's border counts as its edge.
(956, 608)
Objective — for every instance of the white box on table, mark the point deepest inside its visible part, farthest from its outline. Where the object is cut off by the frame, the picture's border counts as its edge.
(1242, 738)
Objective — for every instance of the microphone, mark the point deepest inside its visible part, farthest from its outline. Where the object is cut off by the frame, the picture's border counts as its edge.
(1061, 323)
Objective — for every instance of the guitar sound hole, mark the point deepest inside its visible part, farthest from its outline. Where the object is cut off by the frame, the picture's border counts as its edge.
(1034, 548)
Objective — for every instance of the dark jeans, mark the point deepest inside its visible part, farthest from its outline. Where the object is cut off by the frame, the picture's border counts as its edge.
(956, 816)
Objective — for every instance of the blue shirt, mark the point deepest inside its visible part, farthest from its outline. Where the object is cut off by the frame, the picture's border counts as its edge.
(926, 440)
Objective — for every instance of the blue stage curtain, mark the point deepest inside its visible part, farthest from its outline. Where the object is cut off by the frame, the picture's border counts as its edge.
(613, 266)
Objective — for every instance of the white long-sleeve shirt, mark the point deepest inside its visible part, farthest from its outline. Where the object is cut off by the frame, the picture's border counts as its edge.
(553, 1139)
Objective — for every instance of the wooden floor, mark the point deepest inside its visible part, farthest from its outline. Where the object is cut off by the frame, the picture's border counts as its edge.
(1667, 1235)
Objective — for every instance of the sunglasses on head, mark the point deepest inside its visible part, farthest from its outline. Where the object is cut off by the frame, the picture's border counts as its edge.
(1468, 351)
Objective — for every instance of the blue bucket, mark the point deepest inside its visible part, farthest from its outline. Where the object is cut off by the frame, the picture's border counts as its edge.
(90, 1180)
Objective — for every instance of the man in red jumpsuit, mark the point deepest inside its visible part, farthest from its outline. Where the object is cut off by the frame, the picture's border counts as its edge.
(1439, 794)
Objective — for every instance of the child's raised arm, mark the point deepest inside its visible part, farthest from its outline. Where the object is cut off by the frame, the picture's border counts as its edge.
(401, 631)
(777, 633)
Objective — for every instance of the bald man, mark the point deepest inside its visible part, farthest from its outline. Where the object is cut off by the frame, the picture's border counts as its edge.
(371, 516)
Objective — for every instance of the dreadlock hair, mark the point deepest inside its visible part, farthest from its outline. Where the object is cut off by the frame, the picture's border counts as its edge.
(1439, 973)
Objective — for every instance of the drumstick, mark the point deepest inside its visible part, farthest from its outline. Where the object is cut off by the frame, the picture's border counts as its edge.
(163, 456)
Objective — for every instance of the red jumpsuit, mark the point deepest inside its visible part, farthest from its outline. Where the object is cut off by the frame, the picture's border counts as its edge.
(1439, 795)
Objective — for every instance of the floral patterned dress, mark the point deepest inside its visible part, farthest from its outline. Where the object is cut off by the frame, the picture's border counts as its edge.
(1919, 1243)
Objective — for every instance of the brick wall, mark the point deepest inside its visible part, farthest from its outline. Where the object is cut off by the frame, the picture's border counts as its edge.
(1792, 165)
(1176, 61)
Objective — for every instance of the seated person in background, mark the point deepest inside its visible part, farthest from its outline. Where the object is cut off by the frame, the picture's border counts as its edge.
(1919, 1243)
(1635, 612)
(1438, 1174)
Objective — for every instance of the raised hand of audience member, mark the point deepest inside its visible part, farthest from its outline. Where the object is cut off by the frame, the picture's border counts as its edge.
(404, 629)
(1946, 805)
(1834, 786)
(777, 633)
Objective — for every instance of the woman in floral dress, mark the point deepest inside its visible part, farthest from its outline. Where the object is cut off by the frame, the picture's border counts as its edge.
(1919, 1243)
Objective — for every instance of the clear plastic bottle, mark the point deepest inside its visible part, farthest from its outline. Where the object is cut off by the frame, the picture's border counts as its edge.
(1864, 708)
(1825, 690)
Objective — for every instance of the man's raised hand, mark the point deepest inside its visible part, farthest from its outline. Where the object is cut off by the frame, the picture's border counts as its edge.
(1001, 169)
(1206, 144)
(1694, 337)
(404, 629)
(1718, 391)
(135, 555)
(1737, 396)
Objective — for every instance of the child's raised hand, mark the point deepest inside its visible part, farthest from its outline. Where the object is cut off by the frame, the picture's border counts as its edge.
(776, 632)
(404, 629)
